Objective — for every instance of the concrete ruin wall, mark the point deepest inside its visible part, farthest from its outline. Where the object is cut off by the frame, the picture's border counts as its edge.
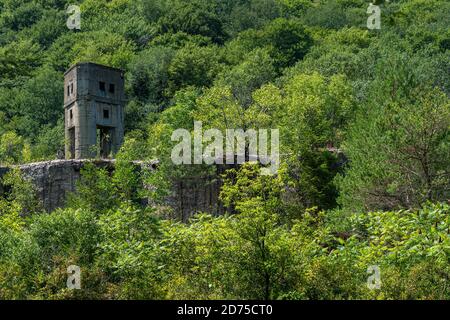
(193, 195)
(54, 180)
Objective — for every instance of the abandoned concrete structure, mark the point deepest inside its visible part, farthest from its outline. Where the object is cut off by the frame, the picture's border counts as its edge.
(94, 103)
(55, 180)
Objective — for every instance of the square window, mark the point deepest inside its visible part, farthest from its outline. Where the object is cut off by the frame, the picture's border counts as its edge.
(102, 86)
(112, 88)
(106, 113)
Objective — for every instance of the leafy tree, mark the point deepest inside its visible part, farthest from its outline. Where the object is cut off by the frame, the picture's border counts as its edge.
(21, 199)
(197, 17)
(252, 14)
(287, 40)
(20, 15)
(49, 143)
(48, 28)
(149, 74)
(363, 118)
(18, 59)
(398, 146)
(179, 40)
(11, 148)
(95, 192)
(345, 51)
(313, 116)
(104, 48)
(129, 252)
(193, 66)
(256, 70)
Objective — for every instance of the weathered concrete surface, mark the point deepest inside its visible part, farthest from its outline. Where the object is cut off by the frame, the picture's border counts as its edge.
(54, 180)
(194, 195)
(94, 100)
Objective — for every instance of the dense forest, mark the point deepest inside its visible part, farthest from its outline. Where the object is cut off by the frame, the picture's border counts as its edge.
(364, 179)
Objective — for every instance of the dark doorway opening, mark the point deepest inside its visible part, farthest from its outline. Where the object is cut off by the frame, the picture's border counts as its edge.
(104, 141)
(72, 142)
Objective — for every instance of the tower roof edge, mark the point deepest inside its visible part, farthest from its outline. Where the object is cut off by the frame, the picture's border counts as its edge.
(92, 64)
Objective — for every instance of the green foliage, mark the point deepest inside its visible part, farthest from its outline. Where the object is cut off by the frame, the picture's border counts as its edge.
(49, 143)
(405, 244)
(11, 147)
(256, 70)
(287, 41)
(129, 252)
(94, 190)
(398, 144)
(363, 118)
(21, 197)
(193, 66)
(198, 17)
(18, 59)
(149, 74)
(98, 190)
(63, 233)
(103, 47)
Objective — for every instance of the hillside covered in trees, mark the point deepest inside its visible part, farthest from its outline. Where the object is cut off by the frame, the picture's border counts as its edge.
(364, 177)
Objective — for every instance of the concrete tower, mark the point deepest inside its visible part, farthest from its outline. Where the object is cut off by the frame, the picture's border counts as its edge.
(94, 101)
